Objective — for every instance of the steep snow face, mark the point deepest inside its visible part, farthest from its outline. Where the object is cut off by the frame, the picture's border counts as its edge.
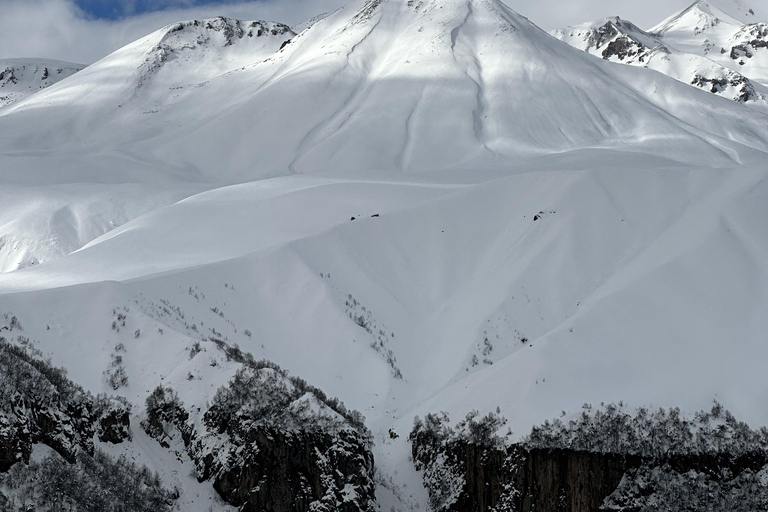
(619, 40)
(726, 32)
(20, 78)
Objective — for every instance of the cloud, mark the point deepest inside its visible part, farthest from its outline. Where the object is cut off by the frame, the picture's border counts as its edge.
(58, 29)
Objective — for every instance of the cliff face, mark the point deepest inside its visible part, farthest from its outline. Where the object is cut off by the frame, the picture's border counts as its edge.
(561, 480)
(299, 472)
(604, 461)
(568, 481)
(39, 404)
(269, 442)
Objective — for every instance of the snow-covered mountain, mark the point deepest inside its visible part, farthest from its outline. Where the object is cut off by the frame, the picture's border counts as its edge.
(369, 83)
(415, 206)
(20, 78)
(619, 40)
(720, 47)
(726, 32)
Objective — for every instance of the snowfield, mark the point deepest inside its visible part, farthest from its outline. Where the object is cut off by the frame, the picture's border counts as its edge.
(416, 206)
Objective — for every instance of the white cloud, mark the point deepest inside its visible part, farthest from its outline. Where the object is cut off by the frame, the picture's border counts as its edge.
(57, 29)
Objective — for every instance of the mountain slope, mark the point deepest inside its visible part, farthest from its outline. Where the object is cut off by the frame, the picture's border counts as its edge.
(375, 86)
(20, 78)
(415, 206)
(372, 75)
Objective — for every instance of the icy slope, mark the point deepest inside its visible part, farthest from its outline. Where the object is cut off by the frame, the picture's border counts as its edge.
(20, 78)
(619, 40)
(723, 31)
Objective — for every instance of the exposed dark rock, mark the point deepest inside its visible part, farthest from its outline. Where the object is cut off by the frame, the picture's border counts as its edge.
(605, 33)
(114, 424)
(286, 471)
(624, 47)
(712, 463)
(272, 442)
(750, 39)
(39, 404)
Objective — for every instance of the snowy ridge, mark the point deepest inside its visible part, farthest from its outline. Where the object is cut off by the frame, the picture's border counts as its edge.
(20, 78)
(203, 41)
(709, 28)
(619, 40)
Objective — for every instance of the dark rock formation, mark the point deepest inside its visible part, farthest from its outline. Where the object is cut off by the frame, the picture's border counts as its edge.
(39, 404)
(711, 463)
(297, 472)
(624, 47)
(559, 480)
(272, 442)
(543, 480)
(749, 40)
(114, 421)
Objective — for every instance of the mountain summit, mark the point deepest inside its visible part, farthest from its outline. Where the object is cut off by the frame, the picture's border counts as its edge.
(385, 84)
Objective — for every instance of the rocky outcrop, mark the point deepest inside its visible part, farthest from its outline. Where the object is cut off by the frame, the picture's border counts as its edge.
(558, 480)
(39, 404)
(542, 480)
(723, 468)
(288, 471)
(748, 41)
(272, 442)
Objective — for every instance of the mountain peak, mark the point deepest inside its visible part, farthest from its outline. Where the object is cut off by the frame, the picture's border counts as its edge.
(704, 15)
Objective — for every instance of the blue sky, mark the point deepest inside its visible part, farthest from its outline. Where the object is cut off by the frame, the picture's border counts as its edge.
(117, 9)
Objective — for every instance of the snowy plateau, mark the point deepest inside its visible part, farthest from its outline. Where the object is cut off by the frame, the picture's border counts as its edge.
(238, 259)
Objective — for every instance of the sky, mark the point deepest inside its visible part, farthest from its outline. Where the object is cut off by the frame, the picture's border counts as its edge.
(84, 31)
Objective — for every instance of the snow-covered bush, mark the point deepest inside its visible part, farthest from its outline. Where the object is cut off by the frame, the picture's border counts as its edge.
(165, 411)
(39, 404)
(95, 483)
(442, 453)
(652, 434)
(299, 385)
(270, 441)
